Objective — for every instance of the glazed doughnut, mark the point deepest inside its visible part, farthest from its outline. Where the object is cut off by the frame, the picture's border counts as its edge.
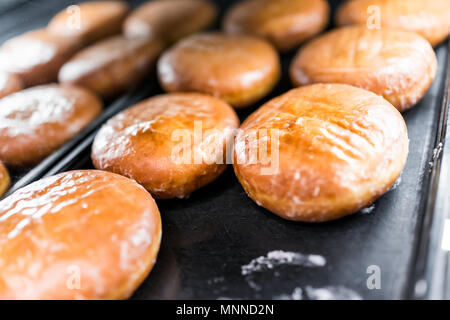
(77, 235)
(398, 65)
(236, 68)
(9, 83)
(430, 19)
(285, 23)
(90, 21)
(320, 152)
(112, 66)
(4, 179)
(37, 121)
(170, 20)
(36, 56)
(172, 144)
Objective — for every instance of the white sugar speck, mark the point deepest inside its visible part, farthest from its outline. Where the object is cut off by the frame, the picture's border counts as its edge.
(296, 295)
(140, 237)
(278, 258)
(325, 293)
(396, 184)
(331, 293)
(317, 260)
(368, 210)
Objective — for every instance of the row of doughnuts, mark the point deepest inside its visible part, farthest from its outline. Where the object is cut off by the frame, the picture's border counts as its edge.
(124, 233)
(398, 65)
(38, 55)
(287, 23)
(36, 121)
(339, 148)
(108, 65)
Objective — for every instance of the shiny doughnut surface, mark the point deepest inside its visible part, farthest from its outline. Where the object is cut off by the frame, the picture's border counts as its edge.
(171, 144)
(238, 69)
(430, 19)
(112, 66)
(398, 65)
(331, 150)
(36, 121)
(77, 235)
(36, 56)
(90, 21)
(285, 23)
(170, 20)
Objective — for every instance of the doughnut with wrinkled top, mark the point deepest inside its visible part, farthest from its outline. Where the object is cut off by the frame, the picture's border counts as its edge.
(333, 149)
(398, 65)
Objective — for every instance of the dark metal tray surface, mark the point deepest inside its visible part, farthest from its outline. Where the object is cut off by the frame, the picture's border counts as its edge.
(218, 244)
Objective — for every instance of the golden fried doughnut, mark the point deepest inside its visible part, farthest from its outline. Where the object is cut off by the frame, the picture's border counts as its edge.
(9, 83)
(90, 21)
(4, 179)
(112, 66)
(285, 23)
(36, 56)
(77, 235)
(239, 69)
(320, 152)
(172, 144)
(170, 20)
(430, 19)
(37, 121)
(398, 65)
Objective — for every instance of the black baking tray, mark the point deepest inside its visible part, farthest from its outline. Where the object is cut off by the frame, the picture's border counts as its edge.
(210, 237)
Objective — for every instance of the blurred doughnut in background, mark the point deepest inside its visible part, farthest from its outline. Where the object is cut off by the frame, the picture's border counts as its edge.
(430, 19)
(112, 66)
(285, 23)
(37, 121)
(170, 20)
(239, 69)
(398, 65)
(90, 21)
(36, 56)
